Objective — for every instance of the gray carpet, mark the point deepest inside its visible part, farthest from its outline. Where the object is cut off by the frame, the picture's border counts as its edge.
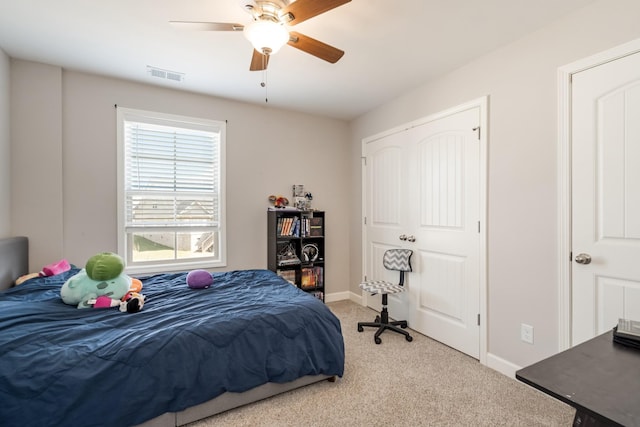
(400, 383)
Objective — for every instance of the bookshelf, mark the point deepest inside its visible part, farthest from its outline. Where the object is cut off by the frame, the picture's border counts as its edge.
(296, 248)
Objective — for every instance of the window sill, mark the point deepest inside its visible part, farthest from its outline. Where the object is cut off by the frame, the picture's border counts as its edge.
(173, 267)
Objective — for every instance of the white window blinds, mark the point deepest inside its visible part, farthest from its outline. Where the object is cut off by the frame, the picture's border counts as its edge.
(172, 176)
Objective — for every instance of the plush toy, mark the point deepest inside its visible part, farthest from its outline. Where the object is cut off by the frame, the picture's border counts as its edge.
(103, 275)
(132, 302)
(55, 268)
(104, 301)
(198, 279)
(48, 270)
(20, 280)
(279, 201)
(136, 285)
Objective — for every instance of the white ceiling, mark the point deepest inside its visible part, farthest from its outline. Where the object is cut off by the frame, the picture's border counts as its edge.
(391, 46)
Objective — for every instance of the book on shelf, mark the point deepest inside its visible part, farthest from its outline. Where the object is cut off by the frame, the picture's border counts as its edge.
(311, 227)
(288, 275)
(312, 277)
(286, 262)
(288, 226)
(315, 227)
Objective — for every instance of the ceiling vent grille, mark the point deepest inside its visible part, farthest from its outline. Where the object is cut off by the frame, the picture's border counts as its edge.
(165, 74)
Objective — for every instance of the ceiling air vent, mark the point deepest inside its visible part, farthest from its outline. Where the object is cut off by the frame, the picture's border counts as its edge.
(165, 74)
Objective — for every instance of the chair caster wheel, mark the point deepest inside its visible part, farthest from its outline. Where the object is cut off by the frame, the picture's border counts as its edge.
(360, 328)
(409, 338)
(377, 319)
(377, 340)
(403, 326)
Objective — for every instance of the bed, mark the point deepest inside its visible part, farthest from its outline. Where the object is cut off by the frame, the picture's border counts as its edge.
(189, 354)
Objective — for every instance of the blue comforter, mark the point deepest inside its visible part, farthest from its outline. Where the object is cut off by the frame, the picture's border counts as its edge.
(63, 366)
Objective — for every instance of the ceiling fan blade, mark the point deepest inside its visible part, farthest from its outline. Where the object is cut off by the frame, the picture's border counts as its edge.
(259, 61)
(207, 26)
(314, 47)
(301, 10)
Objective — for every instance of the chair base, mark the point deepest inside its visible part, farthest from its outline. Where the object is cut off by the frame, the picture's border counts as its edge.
(382, 323)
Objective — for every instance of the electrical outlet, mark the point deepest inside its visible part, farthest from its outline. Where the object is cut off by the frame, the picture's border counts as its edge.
(526, 333)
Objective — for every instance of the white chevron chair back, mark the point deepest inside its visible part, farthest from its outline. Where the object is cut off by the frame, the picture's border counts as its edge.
(397, 259)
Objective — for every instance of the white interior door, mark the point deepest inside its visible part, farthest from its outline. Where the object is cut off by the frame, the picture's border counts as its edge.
(386, 197)
(445, 209)
(605, 197)
(424, 183)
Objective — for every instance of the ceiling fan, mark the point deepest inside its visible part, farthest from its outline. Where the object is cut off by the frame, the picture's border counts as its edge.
(268, 31)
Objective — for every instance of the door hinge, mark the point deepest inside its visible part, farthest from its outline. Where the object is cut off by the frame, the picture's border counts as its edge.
(364, 159)
(570, 256)
(477, 128)
(478, 319)
(365, 220)
(478, 226)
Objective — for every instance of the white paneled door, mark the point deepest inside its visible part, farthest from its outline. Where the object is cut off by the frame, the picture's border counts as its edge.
(605, 197)
(423, 193)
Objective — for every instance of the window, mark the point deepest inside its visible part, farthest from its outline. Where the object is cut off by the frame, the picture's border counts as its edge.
(170, 191)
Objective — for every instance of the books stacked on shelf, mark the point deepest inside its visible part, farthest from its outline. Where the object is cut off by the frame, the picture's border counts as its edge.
(312, 278)
(288, 275)
(311, 227)
(315, 227)
(289, 226)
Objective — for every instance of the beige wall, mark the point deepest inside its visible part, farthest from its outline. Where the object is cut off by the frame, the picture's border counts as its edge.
(268, 150)
(5, 160)
(520, 80)
(36, 160)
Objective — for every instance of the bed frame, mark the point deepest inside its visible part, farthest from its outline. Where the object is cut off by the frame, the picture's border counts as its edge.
(230, 400)
(14, 262)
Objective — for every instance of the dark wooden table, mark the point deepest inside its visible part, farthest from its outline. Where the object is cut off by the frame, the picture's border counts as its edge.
(600, 378)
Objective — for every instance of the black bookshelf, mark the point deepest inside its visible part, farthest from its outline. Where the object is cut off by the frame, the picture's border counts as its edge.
(296, 248)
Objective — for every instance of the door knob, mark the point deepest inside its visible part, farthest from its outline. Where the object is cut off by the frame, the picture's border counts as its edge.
(411, 238)
(583, 259)
(403, 237)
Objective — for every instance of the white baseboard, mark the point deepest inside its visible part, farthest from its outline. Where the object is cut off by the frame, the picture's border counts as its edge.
(336, 296)
(501, 365)
(357, 298)
(341, 296)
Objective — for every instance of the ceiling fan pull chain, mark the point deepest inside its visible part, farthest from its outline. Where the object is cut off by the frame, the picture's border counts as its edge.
(264, 82)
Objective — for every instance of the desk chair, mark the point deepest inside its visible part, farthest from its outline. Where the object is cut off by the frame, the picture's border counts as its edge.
(393, 259)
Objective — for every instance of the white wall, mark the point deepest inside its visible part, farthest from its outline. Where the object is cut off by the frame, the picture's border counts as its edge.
(268, 150)
(520, 80)
(5, 159)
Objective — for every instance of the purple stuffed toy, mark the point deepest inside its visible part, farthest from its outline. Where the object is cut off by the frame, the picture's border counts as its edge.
(198, 279)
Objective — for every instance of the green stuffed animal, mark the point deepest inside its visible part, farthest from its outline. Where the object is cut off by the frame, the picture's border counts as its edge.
(103, 275)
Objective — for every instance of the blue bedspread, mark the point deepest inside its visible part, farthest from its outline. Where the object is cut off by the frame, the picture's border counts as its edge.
(60, 365)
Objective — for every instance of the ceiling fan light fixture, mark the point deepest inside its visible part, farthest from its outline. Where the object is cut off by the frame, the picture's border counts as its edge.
(266, 37)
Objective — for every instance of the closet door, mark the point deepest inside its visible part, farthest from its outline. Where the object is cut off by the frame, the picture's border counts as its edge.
(444, 204)
(423, 193)
(386, 196)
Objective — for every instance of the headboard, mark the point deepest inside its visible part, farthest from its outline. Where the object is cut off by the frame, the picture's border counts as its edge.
(14, 260)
